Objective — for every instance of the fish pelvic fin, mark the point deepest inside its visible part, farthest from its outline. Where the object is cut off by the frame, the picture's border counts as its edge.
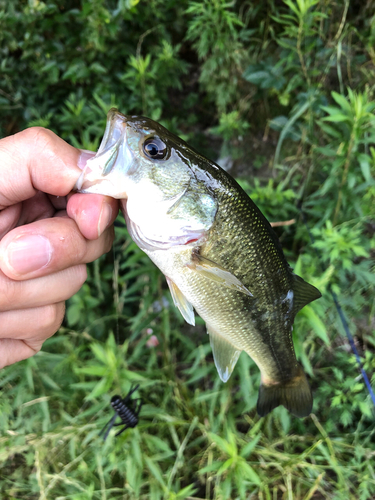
(224, 352)
(295, 394)
(181, 302)
(304, 293)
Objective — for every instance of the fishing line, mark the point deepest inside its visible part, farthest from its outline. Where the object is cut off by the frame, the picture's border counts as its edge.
(339, 310)
(115, 290)
(60, 448)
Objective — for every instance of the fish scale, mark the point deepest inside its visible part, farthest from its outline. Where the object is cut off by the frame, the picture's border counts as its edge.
(217, 250)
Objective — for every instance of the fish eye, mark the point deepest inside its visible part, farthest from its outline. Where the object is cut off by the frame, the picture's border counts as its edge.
(154, 148)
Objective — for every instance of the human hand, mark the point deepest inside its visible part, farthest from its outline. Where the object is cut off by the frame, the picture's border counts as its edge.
(47, 235)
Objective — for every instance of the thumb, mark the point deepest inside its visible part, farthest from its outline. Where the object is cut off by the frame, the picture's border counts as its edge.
(37, 159)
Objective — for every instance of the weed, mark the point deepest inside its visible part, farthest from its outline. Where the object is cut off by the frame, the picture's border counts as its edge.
(287, 90)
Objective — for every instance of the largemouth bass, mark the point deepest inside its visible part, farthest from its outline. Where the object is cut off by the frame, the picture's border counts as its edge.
(218, 252)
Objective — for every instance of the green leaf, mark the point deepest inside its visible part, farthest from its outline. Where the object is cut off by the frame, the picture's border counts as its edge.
(98, 68)
(73, 314)
(337, 117)
(365, 408)
(97, 370)
(341, 101)
(364, 162)
(327, 151)
(257, 78)
(250, 473)
(155, 470)
(293, 7)
(249, 447)
(99, 352)
(221, 443)
(209, 468)
(156, 444)
(188, 491)
(316, 323)
(49, 381)
(298, 266)
(346, 418)
(285, 418)
(102, 387)
(225, 466)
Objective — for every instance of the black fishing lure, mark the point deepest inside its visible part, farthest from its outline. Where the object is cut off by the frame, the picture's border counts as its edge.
(127, 409)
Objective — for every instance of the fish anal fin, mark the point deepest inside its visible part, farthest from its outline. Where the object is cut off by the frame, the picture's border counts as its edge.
(181, 302)
(213, 271)
(294, 394)
(225, 354)
(304, 293)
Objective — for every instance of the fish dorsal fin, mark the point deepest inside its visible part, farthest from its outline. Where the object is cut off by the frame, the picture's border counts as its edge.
(225, 354)
(304, 293)
(213, 271)
(180, 301)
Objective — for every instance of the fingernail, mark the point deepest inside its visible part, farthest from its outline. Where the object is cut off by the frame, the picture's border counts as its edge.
(84, 156)
(28, 253)
(104, 217)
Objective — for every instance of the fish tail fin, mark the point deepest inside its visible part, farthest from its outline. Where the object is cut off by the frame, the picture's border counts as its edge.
(295, 394)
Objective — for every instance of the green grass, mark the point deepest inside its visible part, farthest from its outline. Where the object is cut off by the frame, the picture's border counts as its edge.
(197, 437)
(286, 90)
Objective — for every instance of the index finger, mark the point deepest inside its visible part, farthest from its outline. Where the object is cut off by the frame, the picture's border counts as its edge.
(36, 159)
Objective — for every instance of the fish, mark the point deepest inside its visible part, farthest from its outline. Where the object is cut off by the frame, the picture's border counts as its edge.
(219, 254)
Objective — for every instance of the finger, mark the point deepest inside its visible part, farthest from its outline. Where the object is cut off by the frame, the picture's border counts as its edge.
(93, 213)
(42, 291)
(36, 208)
(42, 160)
(23, 332)
(58, 202)
(33, 325)
(48, 246)
(9, 218)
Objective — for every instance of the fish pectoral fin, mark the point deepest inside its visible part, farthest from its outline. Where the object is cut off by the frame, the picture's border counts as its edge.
(180, 301)
(304, 293)
(225, 354)
(215, 272)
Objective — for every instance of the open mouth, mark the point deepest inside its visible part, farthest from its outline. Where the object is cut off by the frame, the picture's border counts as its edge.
(113, 157)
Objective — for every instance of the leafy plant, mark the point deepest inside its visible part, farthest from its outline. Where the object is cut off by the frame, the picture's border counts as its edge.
(286, 91)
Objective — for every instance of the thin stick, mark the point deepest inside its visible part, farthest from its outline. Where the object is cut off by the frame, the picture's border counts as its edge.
(283, 223)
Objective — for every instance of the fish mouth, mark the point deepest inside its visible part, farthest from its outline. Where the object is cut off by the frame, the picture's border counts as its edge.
(113, 156)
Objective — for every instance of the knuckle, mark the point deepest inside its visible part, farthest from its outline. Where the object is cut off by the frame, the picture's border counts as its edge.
(80, 273)
(51, 317)
(60, 313)
(43, 141)
(9, 296)
(78, 248)
(37, 135)
(71, 248)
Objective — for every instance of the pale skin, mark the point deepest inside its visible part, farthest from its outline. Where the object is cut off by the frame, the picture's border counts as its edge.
(47, 235)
